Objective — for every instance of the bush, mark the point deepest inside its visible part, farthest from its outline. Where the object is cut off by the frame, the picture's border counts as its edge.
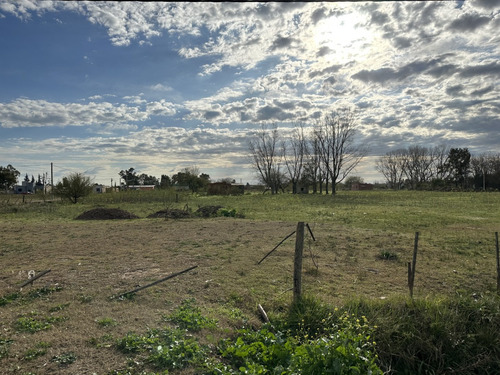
(448, 336)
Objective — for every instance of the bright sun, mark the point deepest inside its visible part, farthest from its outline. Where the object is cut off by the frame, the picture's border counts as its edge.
(343, 35)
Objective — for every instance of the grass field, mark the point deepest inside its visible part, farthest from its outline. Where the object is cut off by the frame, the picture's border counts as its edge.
(363, 243)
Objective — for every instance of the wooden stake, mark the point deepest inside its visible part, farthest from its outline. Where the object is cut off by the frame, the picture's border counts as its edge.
(297, 264)
(283, 240)
(263, 313)
(411, 266)
(498, 262)
(30, 281)
(156, 282)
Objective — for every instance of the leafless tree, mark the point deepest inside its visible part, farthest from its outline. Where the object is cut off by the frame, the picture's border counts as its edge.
(391, 165)
(295, 152)
(313, 168)
(338, 151)
(266, 157)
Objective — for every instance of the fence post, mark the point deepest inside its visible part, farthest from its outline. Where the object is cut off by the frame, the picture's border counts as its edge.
(297, 264)
(498, 263)
(411, 266)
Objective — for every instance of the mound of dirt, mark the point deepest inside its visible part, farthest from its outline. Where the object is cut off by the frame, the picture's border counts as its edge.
(170, 213)
(106, 214)
(208, 211)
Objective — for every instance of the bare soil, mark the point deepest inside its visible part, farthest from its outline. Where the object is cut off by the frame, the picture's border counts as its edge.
(94, 260)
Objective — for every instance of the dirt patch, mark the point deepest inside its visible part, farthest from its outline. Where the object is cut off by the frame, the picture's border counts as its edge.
(106, 214)
(208, 211)
(169, 213)
(173, 213)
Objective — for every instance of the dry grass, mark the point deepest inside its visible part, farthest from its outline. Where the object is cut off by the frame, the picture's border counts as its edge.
(94, 260)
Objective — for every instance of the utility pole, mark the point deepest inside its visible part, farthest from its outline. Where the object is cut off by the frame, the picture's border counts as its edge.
(52, 179)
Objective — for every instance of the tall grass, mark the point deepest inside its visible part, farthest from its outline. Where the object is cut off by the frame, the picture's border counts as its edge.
(458, 335)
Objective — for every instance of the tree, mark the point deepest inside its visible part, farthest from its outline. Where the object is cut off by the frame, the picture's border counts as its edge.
(145, 179)
(189, 177)
(74, 187)
(391, 166)
(129, 176)
(458, 164)
(338, 152)
(165, 181)
(294, 154)
(266, 157)
(352, 180)
(8, 177)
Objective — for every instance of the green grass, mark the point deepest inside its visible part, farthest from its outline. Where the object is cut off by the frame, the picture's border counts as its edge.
(364, 241)
(395, 210)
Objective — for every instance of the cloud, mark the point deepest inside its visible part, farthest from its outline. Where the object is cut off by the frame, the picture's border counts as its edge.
(469, 22)
(36, 113)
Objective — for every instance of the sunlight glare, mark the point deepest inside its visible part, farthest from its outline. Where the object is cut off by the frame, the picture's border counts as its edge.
(344, 36)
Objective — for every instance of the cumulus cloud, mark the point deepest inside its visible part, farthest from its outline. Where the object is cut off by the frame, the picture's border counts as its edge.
(36, 113)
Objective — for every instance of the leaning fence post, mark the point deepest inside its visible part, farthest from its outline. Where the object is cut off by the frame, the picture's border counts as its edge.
(411, 266)
(498, 262)
(297, 264)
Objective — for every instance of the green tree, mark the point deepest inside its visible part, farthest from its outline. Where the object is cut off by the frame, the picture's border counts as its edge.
(129, 176)
(8, 177)
(189, 177)
(165, 181)
(458, 165)
(74, 187)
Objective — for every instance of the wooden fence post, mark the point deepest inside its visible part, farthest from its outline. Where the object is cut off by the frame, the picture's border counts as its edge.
(297, 264)
(411, 266)
(498, 262)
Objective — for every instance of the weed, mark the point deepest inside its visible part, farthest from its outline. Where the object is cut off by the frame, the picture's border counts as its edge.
(105, 341)
(59, 307)
(164, 348)
(387, 255)
(64, 359)
(38, 351)
(106, 322)
(43, 292)
(83, 298)
(187, 316)
(33, 324)
(4, 347)
(5, 300)
(344, 347)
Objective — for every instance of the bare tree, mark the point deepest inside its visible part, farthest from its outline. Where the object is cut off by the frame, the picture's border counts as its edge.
(295, 151)
(339, 154)
(312, 167)
(391, 165)
(418, 166)
(266, 157)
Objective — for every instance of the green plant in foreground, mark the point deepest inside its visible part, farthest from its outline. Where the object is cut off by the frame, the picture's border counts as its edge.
(4, 347)
(64, 359)
(344, 347)
(188, 316)
(39, 350)
(32, 324)
(106, 322)
(163, 348)
(5, 300)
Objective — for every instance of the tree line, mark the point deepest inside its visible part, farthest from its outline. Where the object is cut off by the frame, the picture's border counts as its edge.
(439, 168)
(321, 156)
(189, 177)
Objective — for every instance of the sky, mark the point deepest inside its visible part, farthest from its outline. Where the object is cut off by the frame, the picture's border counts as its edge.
(98, 87)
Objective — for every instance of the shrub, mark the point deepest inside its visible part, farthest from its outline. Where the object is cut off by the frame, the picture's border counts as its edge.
(457, 335)
(188, 316)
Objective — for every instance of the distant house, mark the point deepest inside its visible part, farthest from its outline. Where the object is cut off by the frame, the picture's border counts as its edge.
(358, 186)
(225, 188)
(98, 189)
(138, 187)
(302, 189)
(28, 187)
